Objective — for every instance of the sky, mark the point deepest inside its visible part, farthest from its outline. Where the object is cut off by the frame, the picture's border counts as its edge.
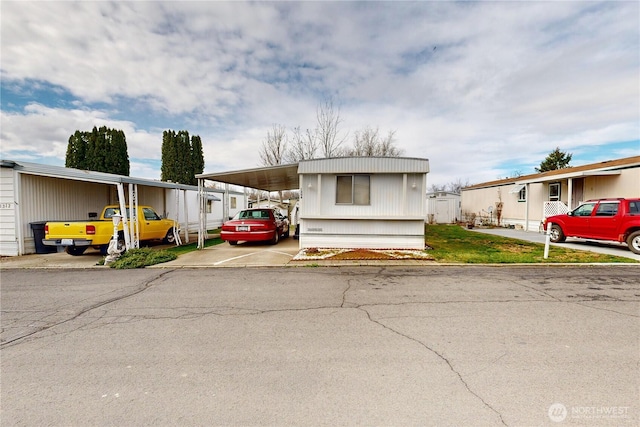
(484, 90)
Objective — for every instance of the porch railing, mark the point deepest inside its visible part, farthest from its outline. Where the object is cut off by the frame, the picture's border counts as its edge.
(554, 208)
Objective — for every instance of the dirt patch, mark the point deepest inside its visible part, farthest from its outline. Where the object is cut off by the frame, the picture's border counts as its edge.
(360, 254)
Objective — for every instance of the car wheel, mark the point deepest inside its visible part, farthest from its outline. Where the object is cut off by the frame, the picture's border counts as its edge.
(634, 242)
(75, 250)
(233, 242)
(556, 235)
(276, 237)
(170, 237)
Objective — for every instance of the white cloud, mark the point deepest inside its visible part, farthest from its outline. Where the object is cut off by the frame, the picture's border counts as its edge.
(471, 86)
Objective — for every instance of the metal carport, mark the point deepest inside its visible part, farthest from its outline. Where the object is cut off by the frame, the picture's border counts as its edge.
(270, 178)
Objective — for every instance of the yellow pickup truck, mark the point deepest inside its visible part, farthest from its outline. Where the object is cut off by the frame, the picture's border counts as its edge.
(77, 236)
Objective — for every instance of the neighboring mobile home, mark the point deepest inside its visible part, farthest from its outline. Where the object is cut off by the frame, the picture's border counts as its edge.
(527, 200)
(34, 193)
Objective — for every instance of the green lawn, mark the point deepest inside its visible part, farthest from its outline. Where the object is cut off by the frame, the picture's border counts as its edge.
(455, 244)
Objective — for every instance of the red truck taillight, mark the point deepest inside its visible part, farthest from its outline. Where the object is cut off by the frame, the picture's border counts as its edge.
(46, 229)
(91, 229)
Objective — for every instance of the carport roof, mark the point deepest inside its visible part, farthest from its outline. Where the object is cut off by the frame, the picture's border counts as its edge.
(271, 178)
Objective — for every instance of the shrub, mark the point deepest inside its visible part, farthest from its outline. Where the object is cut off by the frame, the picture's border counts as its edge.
(143, 257)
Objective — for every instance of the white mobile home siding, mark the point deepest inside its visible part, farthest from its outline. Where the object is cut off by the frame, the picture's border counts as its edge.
(8, 229)
(394, 218)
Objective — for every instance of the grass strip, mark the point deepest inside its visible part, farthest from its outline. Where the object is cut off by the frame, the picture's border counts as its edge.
(455, 244)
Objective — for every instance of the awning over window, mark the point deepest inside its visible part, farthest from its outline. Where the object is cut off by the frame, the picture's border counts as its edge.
(517, 188)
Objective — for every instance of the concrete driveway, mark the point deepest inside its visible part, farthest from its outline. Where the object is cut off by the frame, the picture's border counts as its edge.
(246, 254)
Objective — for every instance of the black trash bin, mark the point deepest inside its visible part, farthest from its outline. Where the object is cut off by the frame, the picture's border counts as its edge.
(38, 235)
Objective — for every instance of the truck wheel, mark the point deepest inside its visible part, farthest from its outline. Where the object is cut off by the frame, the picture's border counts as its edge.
(104, 249)
(170, 237)
(75, 250)
(634, 242)
(556, 234)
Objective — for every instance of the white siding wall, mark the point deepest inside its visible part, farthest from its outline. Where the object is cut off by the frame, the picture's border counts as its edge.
(393, 219)
(8, 231)
(377, 234)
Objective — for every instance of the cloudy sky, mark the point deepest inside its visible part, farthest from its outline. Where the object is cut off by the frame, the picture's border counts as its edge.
(483, 90)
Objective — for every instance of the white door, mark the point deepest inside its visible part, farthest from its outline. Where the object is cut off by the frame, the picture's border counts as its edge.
(442, 212)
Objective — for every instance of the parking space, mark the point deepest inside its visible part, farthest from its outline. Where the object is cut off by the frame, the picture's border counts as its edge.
(247, 254)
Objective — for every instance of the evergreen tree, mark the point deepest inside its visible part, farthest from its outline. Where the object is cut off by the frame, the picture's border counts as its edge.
(185, 170)
(197, 157)
(555, 160)
(101, 150)
(77, 151)
(168, 167)
(182, 158)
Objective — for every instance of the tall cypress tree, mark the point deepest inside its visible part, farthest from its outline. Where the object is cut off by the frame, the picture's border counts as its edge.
(168, 167)
(197, 158)
(101, 150)
(182, 158)
(76, 151)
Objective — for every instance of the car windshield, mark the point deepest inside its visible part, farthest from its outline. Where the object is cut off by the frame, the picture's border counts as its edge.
(254, 214)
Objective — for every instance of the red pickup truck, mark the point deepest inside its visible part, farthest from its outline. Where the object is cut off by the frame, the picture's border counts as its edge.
(604, 219)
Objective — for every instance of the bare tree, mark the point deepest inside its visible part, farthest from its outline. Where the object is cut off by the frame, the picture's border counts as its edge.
(327, 131)
(452, 187)
(368, 142)
(274, 146)
(304, 145)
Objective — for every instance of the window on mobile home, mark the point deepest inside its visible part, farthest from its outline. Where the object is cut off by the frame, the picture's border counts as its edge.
(353, 190)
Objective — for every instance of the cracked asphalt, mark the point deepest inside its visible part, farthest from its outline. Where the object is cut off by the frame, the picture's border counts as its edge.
(371, 346)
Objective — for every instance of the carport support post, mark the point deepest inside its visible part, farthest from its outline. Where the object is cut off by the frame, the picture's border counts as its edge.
(547, 240)
(123, 212)
(201, 214)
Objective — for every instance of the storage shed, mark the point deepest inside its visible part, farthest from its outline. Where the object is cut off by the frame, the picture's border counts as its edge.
(443, 207)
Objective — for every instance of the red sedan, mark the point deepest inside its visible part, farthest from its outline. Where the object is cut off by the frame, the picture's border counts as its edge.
(255, 225)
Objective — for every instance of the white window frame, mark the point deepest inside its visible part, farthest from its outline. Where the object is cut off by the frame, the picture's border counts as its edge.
(522, 194)
(356, 198)
(559, 187)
